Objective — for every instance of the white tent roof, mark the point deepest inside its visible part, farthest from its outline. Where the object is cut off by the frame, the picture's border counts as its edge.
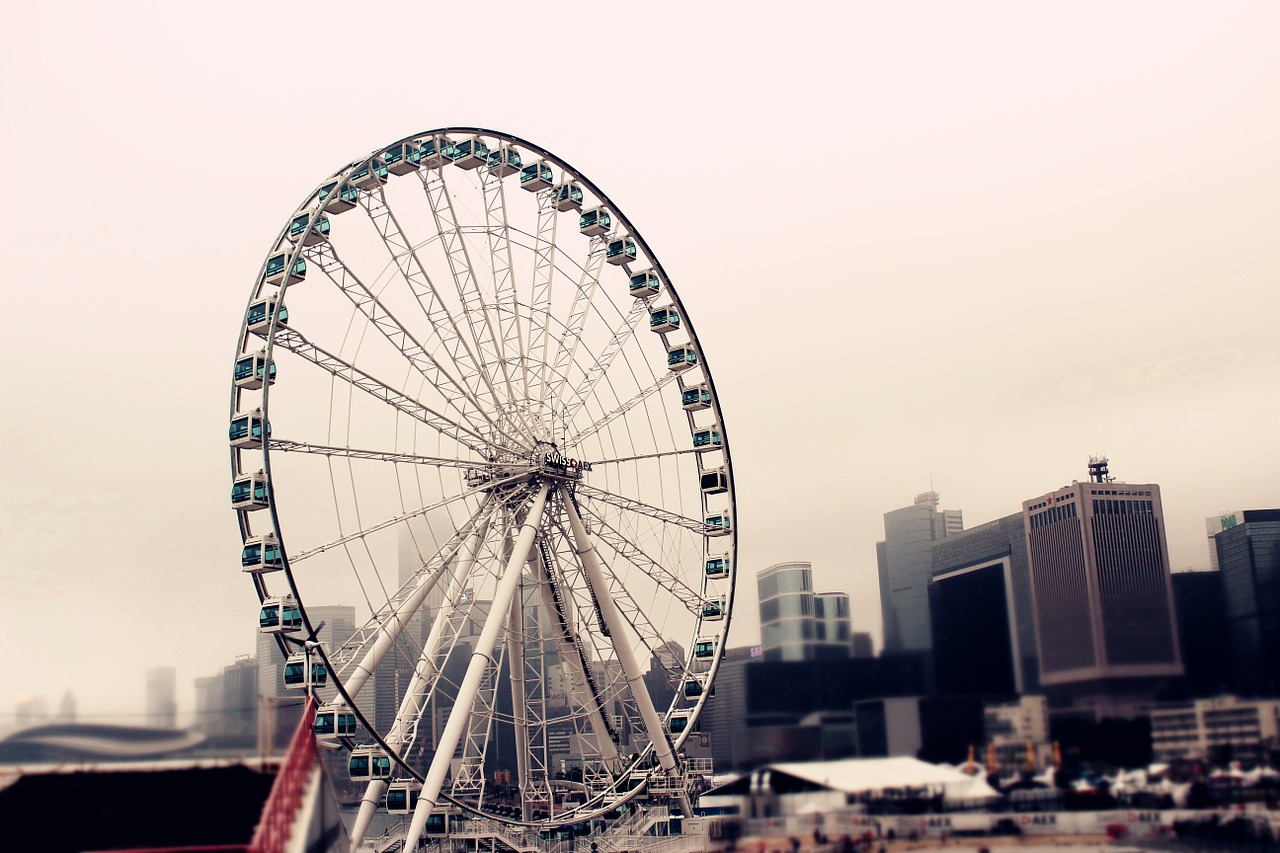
(859, 775)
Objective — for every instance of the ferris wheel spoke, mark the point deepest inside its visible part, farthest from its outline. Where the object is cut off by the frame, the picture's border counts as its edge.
(286, 446)
(609, 417)
(293, 341)
(628, 550)
(396, 333)
(511, 336)
(401, 519)
(544, 268)
(661, 454)
(600, 366)
(412, 269)
(642, 508)
(571, 336)
(475, 312)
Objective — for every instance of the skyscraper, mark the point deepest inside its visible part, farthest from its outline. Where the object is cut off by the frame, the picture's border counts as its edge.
(1249, 560)
(795, 622)
(980, 603)
(905, 568)
(1102, 590)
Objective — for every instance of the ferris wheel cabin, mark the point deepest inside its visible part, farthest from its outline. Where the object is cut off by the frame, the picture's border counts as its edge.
(402, 158)
(368, 763)
(470, 153)
(261, 312)
(705, 648)
(435, 151)
(338, 201)
(279, 615)
(678, 722)
(713, 609)
(681, 357)
(250, 491)
(707, 438)
(717, 567)
(695, 686)
(664, 319)
(334, 721)
(645, 284)
(252, 371)
(621, 250)
(247, 430)
(504, 161)
(695, 399)
(370, 175)
(595, 222)
(536, 176)
(302, 229)
(568, 196)
(402, 796)
(715, 481)
(719, 524)
(280, 272)
(295, 673)
(262, 554)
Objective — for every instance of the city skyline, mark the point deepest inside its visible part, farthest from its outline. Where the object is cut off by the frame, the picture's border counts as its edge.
(1045, 234)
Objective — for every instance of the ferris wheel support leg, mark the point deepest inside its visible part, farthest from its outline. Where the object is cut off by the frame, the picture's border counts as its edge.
(372, 800)
(499, 610)
(617, 625)
(592, 703)
(391, 629)
(516, 662)
(458, 572)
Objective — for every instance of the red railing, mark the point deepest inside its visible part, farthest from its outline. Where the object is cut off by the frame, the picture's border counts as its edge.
(286, 792)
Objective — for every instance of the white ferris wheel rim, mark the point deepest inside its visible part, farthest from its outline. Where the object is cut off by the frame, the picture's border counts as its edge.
(314, 205)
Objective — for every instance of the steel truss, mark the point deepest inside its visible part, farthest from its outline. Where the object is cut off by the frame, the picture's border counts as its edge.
(477, 435)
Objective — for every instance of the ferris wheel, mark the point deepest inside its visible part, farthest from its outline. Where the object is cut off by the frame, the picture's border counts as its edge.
(468, 401)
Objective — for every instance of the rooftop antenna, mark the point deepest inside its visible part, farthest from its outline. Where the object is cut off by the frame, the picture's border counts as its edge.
(1098, 470)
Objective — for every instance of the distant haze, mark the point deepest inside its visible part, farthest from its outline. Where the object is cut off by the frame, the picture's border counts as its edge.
(958, 246)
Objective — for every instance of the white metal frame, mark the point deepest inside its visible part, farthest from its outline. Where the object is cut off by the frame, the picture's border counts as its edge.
(521, 406)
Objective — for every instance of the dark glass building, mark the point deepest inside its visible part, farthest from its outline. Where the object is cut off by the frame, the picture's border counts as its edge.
(981, 610)
(1249, 561)
(1202, 635)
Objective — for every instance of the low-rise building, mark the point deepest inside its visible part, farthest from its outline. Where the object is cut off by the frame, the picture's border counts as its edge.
(1216, 730)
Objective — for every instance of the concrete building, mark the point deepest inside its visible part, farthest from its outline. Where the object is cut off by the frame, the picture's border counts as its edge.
(1218, 730)
(905, 565)
(162, 697)
(1102, 593)
(1249, 560)
(981, 610)
(795, 622)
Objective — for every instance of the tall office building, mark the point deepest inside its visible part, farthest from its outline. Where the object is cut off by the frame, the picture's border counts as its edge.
(905, 567)
(980, 605)
(795, 622)
(1203, 637)
(1215, 524)
(162, 701)
(1102, 590)
(1249, 561)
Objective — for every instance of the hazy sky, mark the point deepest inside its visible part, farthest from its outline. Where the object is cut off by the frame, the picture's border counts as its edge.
(963, 244)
